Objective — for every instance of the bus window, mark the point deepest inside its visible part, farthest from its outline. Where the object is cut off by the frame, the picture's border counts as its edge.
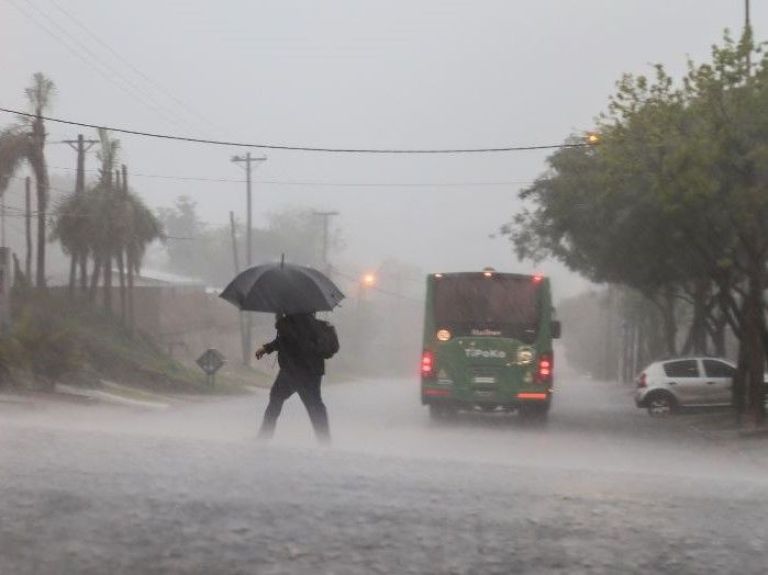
(501, 305)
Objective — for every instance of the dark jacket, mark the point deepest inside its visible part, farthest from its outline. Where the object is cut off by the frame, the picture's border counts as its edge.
(296, 345)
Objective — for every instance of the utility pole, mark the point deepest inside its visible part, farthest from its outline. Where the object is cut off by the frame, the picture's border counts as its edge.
(248, 160)
(746, 14)
(326, 238)
(81, 146)
(748, 34)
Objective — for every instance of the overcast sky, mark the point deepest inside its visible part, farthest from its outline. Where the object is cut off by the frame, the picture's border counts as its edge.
(385, 74)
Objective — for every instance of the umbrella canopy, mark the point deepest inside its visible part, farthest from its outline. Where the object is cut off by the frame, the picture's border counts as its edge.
(282, 288)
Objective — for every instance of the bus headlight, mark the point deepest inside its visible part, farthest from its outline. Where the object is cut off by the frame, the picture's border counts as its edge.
(443, 335)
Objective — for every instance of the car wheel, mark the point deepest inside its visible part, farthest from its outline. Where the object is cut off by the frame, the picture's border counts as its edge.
(661, 405)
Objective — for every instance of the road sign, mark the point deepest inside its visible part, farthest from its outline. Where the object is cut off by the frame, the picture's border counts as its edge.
(210, 362)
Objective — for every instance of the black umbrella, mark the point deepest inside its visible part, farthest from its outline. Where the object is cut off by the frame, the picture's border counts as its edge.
(282, 288)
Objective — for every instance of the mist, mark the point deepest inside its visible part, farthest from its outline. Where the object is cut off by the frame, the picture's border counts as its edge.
(463, 438)
(345, 77)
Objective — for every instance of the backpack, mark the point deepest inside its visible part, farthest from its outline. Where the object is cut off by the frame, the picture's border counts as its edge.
(327, 344)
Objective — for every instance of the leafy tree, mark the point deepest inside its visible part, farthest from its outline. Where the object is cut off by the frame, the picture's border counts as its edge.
(184, 228)
(672, 203)
(298, 234)
(200, 250)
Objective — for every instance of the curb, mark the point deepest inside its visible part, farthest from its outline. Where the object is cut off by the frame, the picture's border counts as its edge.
(760, 433)
(14, 399)
(110, 398)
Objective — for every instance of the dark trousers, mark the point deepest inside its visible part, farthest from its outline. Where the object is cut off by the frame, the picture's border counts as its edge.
(308, 388)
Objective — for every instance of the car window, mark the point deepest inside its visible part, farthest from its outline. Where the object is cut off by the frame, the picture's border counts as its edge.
(714, 368)
(682, 368)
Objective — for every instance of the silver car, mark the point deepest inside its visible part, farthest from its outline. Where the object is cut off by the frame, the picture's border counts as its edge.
(665, 386)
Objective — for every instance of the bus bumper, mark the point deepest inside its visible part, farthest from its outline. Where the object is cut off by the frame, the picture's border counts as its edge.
(462, 399)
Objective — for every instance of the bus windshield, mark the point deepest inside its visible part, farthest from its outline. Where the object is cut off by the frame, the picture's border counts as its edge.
(479, 305)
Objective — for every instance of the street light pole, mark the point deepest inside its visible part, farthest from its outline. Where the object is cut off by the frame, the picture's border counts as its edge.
(248, 160)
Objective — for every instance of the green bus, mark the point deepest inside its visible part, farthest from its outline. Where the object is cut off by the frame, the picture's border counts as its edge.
(488, 343)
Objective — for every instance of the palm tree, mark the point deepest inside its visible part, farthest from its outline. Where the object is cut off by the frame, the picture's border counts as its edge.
(104, 242)
(119, 207)
(143, 229)
(14, 147)
(108, 225)
(14, 150)
(39, 94)
(71, 225)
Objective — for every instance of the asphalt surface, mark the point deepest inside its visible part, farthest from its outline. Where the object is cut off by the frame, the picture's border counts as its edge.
(601, 488)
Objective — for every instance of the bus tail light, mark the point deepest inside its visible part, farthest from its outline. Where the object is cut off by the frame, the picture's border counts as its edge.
(544, 372)
(427, 364)
(535, 396)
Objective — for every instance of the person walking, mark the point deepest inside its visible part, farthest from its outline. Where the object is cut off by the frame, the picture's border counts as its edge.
(302, 366)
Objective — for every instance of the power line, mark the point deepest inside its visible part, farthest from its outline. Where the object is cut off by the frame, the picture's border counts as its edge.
(19, 213)
(53, 188)
(79, 23)
(318, 183)
(158, 176)
(192, 140)
(83, 53)
(13, 223)
(291, 183)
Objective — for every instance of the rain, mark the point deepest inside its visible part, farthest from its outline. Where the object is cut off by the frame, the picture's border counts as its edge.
(432, 288)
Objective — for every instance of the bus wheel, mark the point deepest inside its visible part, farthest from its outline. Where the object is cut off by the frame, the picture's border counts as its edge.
(534, 411)
(441, 412)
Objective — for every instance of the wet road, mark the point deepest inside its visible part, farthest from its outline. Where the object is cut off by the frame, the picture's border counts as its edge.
(601, 488)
